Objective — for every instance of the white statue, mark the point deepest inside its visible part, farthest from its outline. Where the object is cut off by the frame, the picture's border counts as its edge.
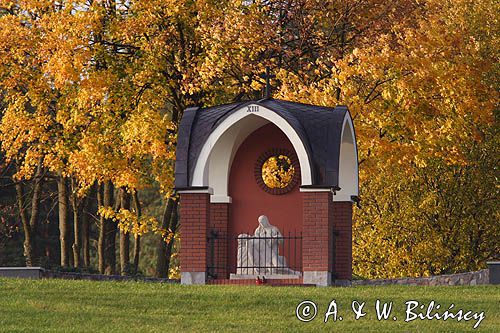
(259, 254)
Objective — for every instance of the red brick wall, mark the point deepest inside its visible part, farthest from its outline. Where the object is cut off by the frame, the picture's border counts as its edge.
(317, 232)
(321, 249)
(219, 214)
(219, 219)
(342, 217)
(327, 235)
(195, 217)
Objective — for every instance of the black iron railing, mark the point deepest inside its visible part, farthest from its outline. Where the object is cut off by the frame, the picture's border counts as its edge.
(250, 254)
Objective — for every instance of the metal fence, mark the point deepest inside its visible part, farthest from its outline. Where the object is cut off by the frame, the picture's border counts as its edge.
(247, 254)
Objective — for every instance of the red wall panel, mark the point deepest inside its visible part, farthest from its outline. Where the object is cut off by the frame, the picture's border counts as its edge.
(249, 200)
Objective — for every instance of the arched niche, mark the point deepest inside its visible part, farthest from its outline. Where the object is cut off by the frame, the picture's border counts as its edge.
(214, 162)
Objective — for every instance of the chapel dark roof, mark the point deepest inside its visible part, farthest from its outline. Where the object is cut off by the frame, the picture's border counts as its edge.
(318, 127)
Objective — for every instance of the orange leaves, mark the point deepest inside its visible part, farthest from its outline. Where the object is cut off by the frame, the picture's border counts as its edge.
(73, 100)
(422, 85)
(97, 91)
(422, 94)
(24, 135)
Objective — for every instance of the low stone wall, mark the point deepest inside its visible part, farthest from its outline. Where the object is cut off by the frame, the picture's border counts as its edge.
(461, 279)
(100, 277)
(22, 272)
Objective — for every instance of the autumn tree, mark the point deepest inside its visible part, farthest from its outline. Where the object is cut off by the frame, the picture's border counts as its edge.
(165, 76)
(26, 119)
(92, 92)
(423, 113)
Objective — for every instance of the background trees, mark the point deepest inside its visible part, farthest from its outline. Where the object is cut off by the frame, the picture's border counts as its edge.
(91, 94)
(425, 104)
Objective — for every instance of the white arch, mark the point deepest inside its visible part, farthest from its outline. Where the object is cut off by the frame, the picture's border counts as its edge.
(348, 162)
(214, 161)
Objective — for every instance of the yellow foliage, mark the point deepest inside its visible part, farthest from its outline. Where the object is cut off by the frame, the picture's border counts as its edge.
(96, 92)
(128, 222)
(423, 97)
(277, 171)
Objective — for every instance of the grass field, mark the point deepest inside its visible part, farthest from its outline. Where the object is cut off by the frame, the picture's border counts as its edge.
(87, 306)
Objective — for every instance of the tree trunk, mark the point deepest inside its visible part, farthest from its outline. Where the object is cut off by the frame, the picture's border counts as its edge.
(101, 243)
(137, 253)
(173, 228)
(35, 210)
(137, 238)
(28, 245)
(110, 230)
(75, 203)
(124, 237)
(48, 248)
(86, 230)
(63, 219)
(161, 250)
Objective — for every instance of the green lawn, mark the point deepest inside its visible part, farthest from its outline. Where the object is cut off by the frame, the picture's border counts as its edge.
(86, 306)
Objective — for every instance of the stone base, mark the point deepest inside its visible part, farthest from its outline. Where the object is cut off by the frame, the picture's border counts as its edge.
(319, 278)
(268, 277)
(22, 272)
(193, 278)
(343, 283)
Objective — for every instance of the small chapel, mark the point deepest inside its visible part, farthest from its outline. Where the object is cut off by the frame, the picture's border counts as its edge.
(266, 193)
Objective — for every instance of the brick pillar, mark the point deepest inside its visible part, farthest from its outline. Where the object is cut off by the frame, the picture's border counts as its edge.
(327, 239)
(194, 218)
(342, 224)
(219, 220)
(317, 238)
